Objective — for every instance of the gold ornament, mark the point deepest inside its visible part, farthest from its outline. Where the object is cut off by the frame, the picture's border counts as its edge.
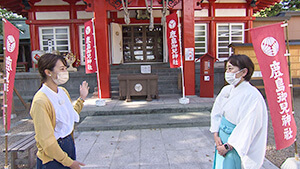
(71, 58)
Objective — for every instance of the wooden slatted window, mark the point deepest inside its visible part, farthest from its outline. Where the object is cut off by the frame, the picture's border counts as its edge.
(142, 45)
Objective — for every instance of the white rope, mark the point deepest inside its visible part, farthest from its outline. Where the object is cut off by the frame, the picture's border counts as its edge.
(146, 2)
(151, 26)
(164, 11)
(126, 12)
(150, 10)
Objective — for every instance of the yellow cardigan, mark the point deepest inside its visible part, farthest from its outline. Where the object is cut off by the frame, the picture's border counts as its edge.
(43, 115)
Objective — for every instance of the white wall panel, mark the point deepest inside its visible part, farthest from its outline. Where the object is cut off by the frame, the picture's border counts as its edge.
(201, 13)
(230, 12)
(80, 3)
(84, 15)
(51, 2)
(52, 15)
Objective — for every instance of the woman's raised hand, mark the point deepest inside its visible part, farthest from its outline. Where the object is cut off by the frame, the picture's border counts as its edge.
(84, 90)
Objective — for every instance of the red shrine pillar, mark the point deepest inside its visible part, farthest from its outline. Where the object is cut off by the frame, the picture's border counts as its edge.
(188, 37)
(249, 24)
(33, 31)
(212, 40)
(101, 30)
(74, 32)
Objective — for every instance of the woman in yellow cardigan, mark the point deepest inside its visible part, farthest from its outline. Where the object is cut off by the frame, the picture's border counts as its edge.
(54, 115)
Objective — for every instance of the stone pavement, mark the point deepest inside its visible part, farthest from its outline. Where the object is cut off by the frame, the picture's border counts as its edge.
(152, 148)
(140, 114)
(168, 148)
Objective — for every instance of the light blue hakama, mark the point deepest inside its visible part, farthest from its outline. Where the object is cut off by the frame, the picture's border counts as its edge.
(232, 160)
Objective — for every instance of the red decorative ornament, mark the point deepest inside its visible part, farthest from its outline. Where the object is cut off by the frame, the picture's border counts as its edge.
(117, 3)
(171, 4)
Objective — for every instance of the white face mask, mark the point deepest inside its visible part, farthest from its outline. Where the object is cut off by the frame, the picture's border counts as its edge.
(231, 78)
(62, 78)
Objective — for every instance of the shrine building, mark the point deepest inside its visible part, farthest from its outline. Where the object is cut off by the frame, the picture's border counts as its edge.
(125, 42)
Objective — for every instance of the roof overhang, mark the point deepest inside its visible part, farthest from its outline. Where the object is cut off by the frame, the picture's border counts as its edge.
(259, 5)
(16, 6)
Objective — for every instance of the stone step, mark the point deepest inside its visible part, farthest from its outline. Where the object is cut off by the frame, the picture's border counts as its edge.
(144, 121)
(137, 106)
(152, 111)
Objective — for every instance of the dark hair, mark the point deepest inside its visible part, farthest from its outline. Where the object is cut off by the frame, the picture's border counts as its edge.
(242, 61)
(48, 61)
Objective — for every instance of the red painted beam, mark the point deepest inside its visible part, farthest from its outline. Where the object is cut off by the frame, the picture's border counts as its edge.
(201, 6)
(14, 7)
(133, 20)
(111, 4)
(9, 3)
(117, 5)
(231, 19)
(271, 1)
(34, 1)
(224, 6)
(262, 4)
(57, 8)
(231, 5)
(266, 3)
(56, 22)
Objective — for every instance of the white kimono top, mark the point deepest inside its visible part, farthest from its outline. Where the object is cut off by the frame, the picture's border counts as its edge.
(245, 107)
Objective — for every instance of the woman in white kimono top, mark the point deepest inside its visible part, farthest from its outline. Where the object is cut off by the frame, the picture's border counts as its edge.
(239, 119)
